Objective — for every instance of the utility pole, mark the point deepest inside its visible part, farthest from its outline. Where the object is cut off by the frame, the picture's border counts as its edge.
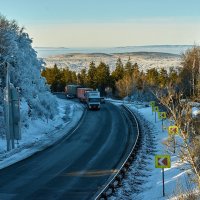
(7, 99)
(12, 112)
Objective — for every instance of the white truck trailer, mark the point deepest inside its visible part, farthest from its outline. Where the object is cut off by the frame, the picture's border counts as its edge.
(93, 100)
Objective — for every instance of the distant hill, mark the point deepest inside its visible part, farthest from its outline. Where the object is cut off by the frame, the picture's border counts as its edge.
(145, 60)
(171, 49)
(152, 54)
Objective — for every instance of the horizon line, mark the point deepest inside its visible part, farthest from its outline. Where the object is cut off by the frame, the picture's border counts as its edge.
(150, 45)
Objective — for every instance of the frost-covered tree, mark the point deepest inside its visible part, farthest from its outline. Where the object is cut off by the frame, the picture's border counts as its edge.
(16, 49)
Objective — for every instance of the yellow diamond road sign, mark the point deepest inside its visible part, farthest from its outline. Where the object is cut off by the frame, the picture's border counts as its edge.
(172, 130)
(162, 161)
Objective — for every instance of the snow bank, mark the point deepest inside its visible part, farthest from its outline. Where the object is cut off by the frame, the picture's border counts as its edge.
(37, 134)
(143, 180)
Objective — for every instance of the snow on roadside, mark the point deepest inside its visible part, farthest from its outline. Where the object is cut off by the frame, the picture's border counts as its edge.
(195, 112)
(143, 180)
(41, 133)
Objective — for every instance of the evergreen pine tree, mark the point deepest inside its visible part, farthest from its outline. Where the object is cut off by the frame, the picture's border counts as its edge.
(91, 76)
(103, 77)
(163, 78)
(128, 67)
(82, 77)
(152, 77)
(118, 73)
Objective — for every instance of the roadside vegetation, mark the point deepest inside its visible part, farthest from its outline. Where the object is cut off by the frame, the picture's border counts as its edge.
(180, 99)
(124, 81)
(25, 74)
(128, 80)
(177, 91)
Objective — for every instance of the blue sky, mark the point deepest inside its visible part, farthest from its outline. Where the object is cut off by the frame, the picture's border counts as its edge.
(84, 23)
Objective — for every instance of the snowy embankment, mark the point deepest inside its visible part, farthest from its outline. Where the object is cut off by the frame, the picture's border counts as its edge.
(40, 133)
(143, 180)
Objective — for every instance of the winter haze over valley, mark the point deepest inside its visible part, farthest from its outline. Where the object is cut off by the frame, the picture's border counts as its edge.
(158, 56)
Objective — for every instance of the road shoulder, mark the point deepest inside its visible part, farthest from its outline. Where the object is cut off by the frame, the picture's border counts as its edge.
(42, 134)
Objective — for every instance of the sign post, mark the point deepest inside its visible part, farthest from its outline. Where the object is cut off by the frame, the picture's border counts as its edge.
(152, 104)
(162, 161)
(163, 181)
(16, 114)
(162, 116)
(155, 109)
(173, 130)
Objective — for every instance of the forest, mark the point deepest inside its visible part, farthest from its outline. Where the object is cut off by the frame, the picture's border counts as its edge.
(129, 80)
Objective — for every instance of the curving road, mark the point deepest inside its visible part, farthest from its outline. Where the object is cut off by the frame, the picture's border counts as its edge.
(76, 167)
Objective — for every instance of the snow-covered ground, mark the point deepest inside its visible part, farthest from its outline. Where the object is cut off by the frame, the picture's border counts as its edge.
(144, 181)
(41, 133)
(145, 60)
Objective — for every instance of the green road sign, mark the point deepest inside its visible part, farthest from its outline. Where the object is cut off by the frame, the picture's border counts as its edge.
(162, 115)
(152, 103)
(162, 161)
(155, 109)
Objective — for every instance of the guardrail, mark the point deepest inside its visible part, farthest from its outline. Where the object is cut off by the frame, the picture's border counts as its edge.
(115, 181)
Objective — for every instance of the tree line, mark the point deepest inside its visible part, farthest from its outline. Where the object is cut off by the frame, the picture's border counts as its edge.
(128, 79)
(123, 81)
(95, 77)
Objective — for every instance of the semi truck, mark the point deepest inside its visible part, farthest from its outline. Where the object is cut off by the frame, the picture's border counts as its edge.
(71, 91)
(93, 100)
(81, 93)
(86, 95)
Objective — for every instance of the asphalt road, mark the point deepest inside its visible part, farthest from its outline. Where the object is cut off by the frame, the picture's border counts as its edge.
(74, 168)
